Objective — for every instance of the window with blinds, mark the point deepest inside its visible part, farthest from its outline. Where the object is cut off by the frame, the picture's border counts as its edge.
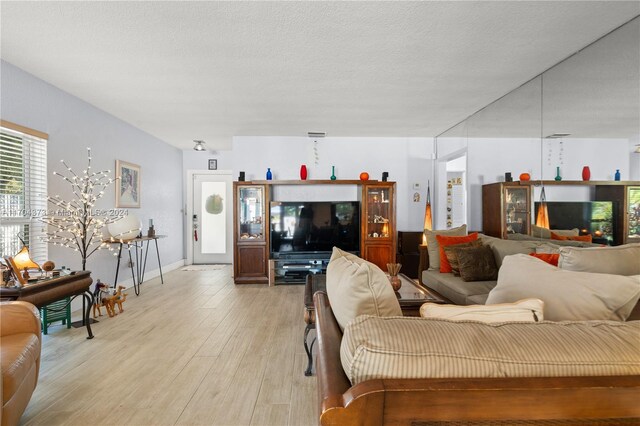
(23, 191)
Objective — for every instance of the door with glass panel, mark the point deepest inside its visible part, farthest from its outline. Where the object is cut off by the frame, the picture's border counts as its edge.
(212, 237)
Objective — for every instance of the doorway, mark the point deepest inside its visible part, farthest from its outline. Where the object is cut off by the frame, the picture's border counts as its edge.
(211, 218)
(451, 191)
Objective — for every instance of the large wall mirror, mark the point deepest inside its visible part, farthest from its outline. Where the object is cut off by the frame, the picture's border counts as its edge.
(585, 111)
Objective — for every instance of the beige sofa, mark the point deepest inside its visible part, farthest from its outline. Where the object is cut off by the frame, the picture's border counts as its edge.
(460, 292)
(20, 345)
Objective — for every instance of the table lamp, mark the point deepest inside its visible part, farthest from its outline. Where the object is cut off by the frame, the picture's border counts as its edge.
(23, 261)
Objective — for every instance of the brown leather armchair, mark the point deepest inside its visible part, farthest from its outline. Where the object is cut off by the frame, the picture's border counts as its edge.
(20, 344)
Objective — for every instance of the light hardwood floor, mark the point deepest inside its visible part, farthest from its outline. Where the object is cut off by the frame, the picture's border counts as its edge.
(197, 350)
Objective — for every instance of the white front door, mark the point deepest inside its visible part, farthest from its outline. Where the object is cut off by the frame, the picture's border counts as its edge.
(212, 218)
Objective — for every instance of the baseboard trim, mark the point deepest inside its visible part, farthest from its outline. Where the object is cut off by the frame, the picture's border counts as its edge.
(76, 305)
(155, 273)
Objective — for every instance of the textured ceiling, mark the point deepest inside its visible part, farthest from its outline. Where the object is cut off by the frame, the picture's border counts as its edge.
(213, 70)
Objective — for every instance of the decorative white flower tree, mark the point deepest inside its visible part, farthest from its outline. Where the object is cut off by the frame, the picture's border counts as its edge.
(75, 224)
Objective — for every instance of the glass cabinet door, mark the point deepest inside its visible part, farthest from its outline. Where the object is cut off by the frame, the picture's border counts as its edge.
(633, 212)
(251, 215)
(378, 208)
(516, 209)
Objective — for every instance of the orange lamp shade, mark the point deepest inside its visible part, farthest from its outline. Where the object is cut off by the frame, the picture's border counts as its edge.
(364, 176)
(23, 260)
(542, 218)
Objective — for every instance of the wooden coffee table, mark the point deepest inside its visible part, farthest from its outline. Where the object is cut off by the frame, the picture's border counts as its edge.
(410, 296)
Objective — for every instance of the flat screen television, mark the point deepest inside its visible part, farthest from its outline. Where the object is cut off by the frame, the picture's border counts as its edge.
(590, 217)
(308, 227)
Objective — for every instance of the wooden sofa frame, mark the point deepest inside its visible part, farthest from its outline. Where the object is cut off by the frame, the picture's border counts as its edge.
(493, 401)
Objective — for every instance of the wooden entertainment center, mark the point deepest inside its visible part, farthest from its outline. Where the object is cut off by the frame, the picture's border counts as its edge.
(252, 230)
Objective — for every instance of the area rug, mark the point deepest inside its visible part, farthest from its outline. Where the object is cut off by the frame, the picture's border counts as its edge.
(204, 267)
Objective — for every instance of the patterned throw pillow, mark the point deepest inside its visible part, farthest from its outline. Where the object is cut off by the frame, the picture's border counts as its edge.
(452, 257)
(445, 240)
(477, 264)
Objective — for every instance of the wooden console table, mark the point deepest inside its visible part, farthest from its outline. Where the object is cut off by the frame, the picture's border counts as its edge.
(41, 293)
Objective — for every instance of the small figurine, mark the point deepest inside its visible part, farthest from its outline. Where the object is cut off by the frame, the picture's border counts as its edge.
(100, 294)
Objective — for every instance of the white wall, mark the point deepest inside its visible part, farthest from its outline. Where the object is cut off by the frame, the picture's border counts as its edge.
(73, 125)
(408, 161)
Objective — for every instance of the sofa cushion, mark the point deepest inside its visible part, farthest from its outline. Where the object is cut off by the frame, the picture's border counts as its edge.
(620, 260)
(550, 258)
(377, 348)
(551, 243)
(528, 310)
(432, 243)
(357, 287)
(455, 289)
(584, 238)
(502, 248)
(540, 232)
(477, 264)
(445, 241)
(567, 295)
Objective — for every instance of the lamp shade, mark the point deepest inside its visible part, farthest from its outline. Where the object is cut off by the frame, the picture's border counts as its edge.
(542, 217)
(23, 260)
(126, 228)
(428, 217)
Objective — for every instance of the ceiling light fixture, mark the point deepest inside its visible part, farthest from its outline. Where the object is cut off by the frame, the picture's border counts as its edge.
(637, 151)
(199, 145)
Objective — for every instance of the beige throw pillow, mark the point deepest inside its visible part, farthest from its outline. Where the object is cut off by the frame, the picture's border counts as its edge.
(567, 295)
(619, 260)
(529, 310)
(503, 248)
(433, 248)
(357, 287)
(540, 232)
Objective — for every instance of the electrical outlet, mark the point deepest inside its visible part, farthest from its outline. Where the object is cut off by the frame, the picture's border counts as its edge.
(416, 186)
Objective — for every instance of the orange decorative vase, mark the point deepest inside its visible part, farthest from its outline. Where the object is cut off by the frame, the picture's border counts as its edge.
(364, 176)
(303, 172)
(586, 173)
(525, 177)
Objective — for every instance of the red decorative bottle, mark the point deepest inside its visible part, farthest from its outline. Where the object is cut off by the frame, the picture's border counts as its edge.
(586, 173)
(303, 172)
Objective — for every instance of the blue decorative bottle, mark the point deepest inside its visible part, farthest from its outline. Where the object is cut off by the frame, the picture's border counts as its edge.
(617, 176)
(333, 173)
(269, 174)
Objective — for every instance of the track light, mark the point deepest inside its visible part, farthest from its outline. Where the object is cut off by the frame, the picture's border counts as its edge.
(199, 145)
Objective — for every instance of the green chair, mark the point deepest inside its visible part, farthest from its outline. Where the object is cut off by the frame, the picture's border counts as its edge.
(56, 311)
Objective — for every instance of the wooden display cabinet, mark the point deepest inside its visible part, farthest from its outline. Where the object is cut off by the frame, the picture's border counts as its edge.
(506, 209)
(250, 236)
(378, 225)
(627, 211)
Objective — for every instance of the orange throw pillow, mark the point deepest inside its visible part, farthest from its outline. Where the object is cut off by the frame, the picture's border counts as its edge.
(444, 240)
(550, 258)
(585, 238)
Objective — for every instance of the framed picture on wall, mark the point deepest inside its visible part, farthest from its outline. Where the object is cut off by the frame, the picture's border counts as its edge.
(127, 185)
(213, 164)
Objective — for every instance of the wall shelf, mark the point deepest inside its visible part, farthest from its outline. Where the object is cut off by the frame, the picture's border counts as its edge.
(576, 182)
(312, 182)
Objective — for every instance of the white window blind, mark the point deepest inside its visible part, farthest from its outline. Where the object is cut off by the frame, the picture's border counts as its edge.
(23, 193)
